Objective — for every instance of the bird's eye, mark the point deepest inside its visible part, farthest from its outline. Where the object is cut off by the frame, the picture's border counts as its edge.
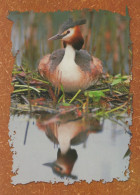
(68, 31)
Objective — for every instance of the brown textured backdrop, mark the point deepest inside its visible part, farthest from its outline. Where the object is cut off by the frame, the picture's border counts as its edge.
(132, 186)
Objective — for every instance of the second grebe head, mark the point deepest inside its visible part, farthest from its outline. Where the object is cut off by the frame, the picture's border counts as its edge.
(70, 33)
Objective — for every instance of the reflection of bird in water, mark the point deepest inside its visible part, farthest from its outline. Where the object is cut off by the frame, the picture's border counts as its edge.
(64, 164)
(67, 130)
(72, 67)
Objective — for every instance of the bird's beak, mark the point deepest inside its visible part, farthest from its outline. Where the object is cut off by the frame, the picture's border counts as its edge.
(49, 164)
(55, 37)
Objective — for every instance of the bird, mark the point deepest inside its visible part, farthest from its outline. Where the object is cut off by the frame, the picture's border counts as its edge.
(72, 67)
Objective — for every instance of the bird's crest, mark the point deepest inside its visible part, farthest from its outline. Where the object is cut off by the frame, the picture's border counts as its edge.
(70, 24)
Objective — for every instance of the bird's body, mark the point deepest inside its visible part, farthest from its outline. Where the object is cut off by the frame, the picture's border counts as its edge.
(72, 67)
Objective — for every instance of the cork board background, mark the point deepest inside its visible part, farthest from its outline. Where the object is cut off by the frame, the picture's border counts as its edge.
(132, 186)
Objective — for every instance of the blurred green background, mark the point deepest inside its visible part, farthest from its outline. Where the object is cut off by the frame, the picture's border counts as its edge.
(106, 36)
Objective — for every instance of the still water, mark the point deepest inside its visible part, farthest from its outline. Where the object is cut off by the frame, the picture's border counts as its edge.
(63, 148)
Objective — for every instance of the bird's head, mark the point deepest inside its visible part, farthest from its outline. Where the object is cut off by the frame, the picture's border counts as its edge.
(69, 32)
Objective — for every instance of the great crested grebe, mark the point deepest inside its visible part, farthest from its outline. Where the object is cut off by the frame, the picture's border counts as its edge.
(67, 130)
(71, 66)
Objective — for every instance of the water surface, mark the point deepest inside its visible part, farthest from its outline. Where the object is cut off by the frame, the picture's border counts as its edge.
(67, 149)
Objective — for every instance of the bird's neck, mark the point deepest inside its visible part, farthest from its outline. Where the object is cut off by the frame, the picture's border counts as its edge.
(69, 53)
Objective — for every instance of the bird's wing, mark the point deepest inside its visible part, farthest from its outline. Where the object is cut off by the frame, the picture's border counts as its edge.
(83, 59)
(56, 57)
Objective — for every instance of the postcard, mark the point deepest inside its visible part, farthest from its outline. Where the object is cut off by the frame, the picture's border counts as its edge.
(69, 115)
(69, 108)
